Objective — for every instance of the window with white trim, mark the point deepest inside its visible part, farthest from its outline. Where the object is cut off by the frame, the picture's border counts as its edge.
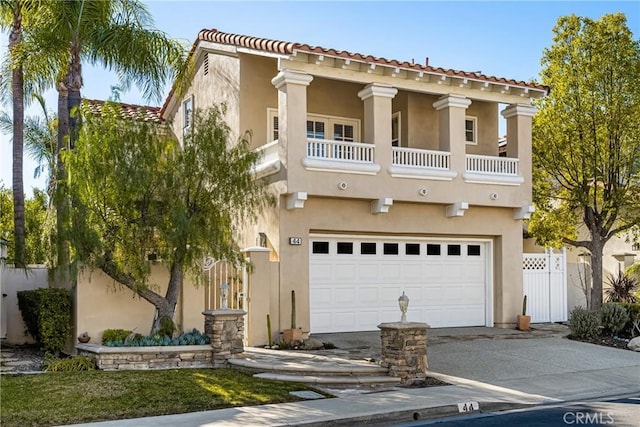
(187, 114)
(471, 130)
(320, 127)
(395, 129)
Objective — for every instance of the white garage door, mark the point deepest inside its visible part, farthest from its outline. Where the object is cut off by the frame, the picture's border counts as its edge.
(355, 282)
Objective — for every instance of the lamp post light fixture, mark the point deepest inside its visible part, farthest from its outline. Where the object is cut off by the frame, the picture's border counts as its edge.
(403, 301)
(224, 290)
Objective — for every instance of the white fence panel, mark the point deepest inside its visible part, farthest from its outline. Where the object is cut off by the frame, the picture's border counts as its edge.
(545, 284)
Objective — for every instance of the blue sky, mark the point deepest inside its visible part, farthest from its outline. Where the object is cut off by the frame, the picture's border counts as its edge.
(505, 38)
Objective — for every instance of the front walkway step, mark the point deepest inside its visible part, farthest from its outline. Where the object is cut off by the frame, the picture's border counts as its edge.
(289, 363)
(332, 379)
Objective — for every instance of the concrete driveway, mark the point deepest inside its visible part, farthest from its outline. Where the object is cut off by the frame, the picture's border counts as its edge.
(542, 360)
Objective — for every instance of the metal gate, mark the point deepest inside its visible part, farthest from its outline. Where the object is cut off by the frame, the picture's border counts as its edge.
(221, 275)
(545, 285)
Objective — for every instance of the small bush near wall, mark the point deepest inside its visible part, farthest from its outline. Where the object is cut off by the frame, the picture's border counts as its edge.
(634, 314)
(47, 314)
(70, 364)
(115, 335)
(195, 337)
(613, 318)
(584, 324)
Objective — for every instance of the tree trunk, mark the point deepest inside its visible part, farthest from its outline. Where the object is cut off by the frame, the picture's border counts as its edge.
(62, 276)
(168, 308)
(596, 272)
(17, 87)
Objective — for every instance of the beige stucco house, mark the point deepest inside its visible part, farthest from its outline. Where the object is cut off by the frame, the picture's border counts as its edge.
(388, 181)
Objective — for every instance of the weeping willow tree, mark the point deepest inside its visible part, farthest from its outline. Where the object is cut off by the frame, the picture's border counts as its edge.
(136, 190)
(586, 139)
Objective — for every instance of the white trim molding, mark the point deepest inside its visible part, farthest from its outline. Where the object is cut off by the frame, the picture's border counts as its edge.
(419, 172)
(523, 212)
(457, 209)
(296, 200)
(381, 205)
(451, 100)
(375, 89)
(323, 165)
(487, 178)
(518, 110)
(291, 77)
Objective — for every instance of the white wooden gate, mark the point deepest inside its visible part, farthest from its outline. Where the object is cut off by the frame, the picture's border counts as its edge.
(545, 285)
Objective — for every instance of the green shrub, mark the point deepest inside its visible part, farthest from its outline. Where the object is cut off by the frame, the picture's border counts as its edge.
(634, 313)
(584, 324)
(194, 337)
(115, 335)
(70, 364)
(613, 317)
(47, 314)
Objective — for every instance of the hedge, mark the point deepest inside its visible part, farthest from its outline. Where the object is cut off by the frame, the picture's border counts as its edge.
(47, 314)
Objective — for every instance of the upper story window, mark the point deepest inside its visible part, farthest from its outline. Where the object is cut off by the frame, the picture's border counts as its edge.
(471, 130)
(187, 114)
(395, 129)
(319, 127)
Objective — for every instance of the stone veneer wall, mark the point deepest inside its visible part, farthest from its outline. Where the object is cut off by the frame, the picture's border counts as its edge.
(404, 350)
(141, 358)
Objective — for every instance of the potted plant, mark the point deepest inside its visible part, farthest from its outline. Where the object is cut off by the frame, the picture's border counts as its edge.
(293, 335)
(84, 338)
(524, 321)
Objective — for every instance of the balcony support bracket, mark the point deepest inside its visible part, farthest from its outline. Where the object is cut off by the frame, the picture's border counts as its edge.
(296, 200)
(523, 212)
(457, 209)
(381, 205)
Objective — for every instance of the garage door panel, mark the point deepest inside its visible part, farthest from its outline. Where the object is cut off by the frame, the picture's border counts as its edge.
(320, 295)
(345, 295)
(354, 292)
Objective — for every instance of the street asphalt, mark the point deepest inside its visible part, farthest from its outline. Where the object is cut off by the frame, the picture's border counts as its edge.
(496, 370)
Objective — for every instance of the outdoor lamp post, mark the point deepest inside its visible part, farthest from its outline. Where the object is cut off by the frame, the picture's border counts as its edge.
(224, 290)
(403, 301)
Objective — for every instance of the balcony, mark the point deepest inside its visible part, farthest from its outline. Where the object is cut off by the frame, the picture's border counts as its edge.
(359, 158)
(340, 156)
(492, 170)
(421, 164)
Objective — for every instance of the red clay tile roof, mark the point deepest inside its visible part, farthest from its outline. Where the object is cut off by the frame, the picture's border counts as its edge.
(288, 48)
(128, 111)
(282, 47)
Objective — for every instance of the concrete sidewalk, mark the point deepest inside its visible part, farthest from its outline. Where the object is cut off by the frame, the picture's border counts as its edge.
(498, 373)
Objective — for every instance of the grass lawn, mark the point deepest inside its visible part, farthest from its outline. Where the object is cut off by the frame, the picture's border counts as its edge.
(56, 398)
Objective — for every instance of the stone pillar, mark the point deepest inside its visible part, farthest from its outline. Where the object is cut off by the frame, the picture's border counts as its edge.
(452, 110)
(404, 350)
(292, 122)
(377, 120)
(225, 329)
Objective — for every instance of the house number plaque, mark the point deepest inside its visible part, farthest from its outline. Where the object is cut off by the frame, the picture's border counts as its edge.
(295, 240)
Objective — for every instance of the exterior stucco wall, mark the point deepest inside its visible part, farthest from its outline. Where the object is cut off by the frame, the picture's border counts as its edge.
(354, 217)
(423, 123)
(335, 98)
(14, 280)
(221, 85)
(487, 132)
(400, 104)
(103, 304)
(256, 95)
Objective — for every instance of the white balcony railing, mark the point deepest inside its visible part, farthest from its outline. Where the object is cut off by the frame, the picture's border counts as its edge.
(340, 150)
(269, 162)
(340, 156)
(421, 164)
(492, 165)
(492, 170)
(420, 158)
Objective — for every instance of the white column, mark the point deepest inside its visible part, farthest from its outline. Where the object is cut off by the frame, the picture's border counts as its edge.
(377, 120)
(452, 110)
(292, 120)
(519, 118)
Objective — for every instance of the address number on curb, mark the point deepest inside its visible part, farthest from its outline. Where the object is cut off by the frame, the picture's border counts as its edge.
(468, 406)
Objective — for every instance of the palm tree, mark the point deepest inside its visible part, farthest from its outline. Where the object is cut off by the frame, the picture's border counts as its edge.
(12, 17)
(117, 34)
